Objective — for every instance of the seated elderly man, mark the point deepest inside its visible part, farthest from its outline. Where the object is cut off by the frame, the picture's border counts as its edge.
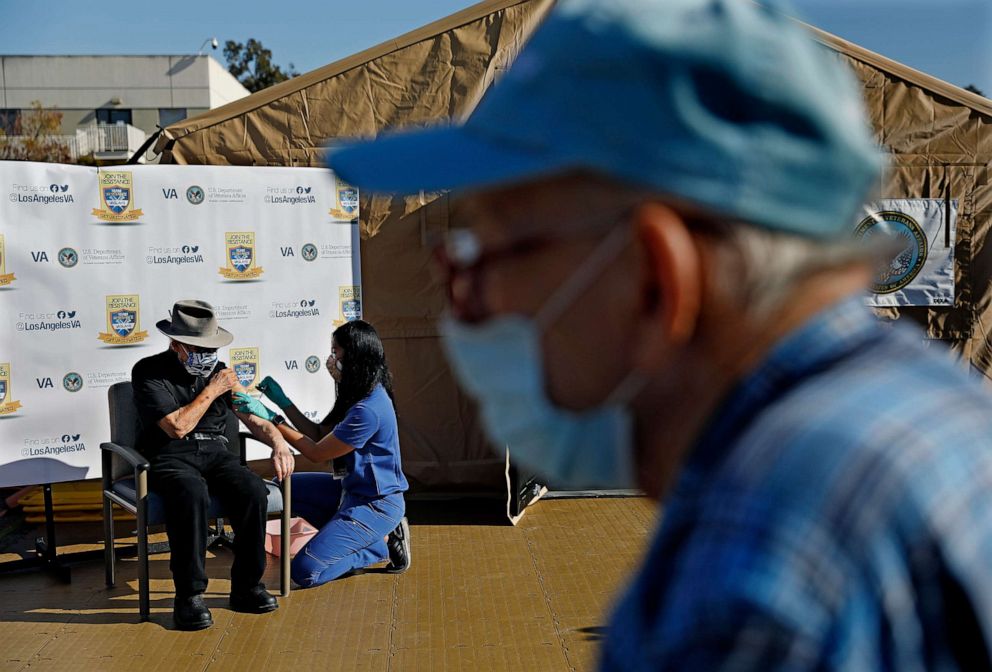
(183, 396)
(653, 281)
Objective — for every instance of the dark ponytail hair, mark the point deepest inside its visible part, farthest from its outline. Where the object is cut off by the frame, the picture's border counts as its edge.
(363, 367)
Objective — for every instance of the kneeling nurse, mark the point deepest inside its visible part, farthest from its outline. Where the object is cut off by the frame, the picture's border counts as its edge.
(360, 517)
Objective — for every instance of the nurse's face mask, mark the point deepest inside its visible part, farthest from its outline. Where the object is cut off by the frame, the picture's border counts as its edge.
(334, 363)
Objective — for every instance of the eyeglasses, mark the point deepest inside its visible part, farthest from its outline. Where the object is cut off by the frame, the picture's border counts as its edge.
(463, 261)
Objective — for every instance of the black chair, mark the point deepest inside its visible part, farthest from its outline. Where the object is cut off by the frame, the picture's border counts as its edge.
(125, 483)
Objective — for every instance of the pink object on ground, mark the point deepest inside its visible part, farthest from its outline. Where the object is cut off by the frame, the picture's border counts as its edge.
(300, 532)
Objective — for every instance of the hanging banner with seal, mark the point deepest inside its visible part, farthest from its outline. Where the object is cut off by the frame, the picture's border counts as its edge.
(920, 269)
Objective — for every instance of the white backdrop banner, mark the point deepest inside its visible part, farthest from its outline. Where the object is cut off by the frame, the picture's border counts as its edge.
(921, 273)
(91, 259)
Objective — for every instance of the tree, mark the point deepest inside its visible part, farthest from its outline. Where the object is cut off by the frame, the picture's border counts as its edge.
(974, 89)
(36, 137)
(252, 65)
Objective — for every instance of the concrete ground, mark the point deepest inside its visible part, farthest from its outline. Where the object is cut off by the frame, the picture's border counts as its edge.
(480, 595)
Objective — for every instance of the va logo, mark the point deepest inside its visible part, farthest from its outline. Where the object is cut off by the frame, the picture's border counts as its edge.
(345, 203)
(245, 363)
(68, 257)
(72, 382)
(44, 383)
(241, 257)
(195, 194)
(908, 261)
(245, 372)
(352, 310)
(241, 261)
(308, 252)
(7, 404)
(312, 364)
(5, 277)
(350, 300)
(39, 256)
(116, 196)
(123, 321)
(169, 194)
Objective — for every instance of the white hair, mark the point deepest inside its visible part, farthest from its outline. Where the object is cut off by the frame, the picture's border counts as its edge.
(760, 268)
(757, 268)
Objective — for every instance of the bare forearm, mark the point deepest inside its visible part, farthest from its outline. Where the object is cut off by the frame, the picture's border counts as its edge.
(282, 457)
(181, 422)
(303, 424)
(327, 448)
(264, 431)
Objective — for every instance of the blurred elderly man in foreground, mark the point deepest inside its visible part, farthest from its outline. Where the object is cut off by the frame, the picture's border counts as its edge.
(654, 284)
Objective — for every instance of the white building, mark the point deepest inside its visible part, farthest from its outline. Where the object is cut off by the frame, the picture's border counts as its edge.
(110, 104)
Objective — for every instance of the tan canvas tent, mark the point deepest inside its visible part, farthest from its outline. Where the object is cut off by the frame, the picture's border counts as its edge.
(940, 138)
(430, 75)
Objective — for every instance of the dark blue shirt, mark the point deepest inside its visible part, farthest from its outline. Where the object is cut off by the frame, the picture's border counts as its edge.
(370, 427)
(836, 515)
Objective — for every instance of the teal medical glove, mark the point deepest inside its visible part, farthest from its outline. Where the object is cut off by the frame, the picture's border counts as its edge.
(245, 404)
(271, 389)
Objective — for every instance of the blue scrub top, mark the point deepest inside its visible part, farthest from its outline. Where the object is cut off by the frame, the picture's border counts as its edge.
(370, 427)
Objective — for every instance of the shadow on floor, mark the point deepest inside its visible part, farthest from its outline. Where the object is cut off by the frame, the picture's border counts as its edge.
(464, 511)
(593, 633)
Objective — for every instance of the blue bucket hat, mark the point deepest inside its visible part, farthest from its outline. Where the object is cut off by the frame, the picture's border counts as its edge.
(727, 104)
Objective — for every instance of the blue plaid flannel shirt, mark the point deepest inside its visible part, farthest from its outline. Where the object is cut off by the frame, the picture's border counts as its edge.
(835, 515)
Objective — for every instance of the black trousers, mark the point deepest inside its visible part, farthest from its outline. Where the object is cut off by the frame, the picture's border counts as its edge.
(184, 474)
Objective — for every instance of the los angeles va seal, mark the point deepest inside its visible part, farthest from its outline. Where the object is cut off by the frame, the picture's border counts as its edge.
(244, 363)
(350, 304)
(117, 197)
(123, 320)
(242, 263)
(345, 203)
(5, 277)
(7, 405)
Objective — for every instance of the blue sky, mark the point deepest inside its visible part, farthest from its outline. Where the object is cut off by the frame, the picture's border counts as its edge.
(951, 39)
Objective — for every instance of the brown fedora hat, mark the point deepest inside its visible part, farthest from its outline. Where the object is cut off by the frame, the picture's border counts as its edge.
(193, 323)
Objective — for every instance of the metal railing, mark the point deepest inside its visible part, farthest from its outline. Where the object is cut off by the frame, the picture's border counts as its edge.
(102, 141)
(107, 139)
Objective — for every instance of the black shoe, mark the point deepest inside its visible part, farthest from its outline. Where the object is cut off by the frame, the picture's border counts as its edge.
(256, 600)
(398, 543)
(190, 613)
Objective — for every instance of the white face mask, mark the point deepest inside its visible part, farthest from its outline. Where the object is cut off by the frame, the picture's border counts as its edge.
(332, 360)
(499, 362)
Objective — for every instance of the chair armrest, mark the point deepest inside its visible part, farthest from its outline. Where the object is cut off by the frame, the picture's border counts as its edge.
(129, 455)
(243, 444)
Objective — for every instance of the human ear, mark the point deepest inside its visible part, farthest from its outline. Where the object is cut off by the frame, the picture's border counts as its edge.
(672, 285)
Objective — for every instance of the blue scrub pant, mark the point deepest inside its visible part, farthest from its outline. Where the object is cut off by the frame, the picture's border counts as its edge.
(352, 529)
